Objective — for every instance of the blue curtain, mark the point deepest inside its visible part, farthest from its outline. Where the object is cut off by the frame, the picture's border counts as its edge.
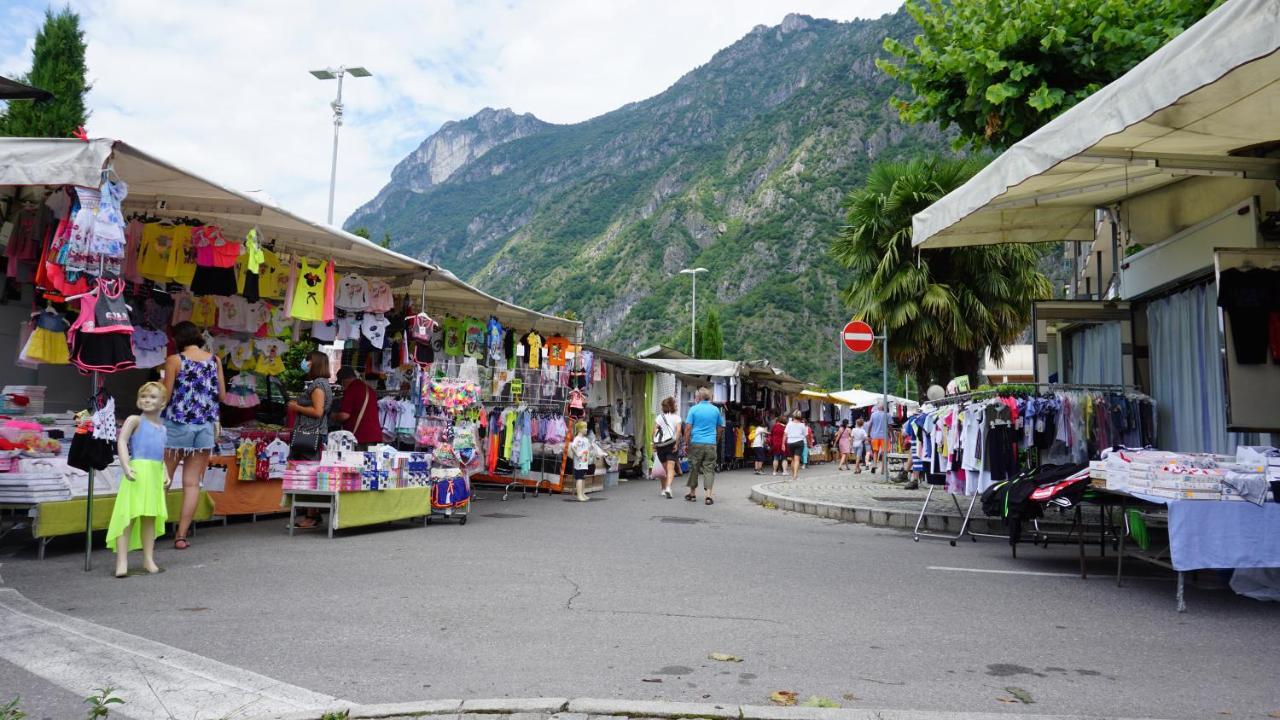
(1186, 372)
(1095, 355)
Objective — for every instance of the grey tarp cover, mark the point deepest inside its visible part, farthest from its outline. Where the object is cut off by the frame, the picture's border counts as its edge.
(1210, 91)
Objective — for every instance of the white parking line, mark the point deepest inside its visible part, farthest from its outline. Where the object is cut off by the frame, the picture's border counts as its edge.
(1004, 572)
(155, 680)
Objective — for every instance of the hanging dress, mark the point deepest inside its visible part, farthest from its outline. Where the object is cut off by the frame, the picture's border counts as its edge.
(309, 292)
(144, 495)
(100, 336)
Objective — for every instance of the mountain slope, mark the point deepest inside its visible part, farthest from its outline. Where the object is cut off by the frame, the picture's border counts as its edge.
(739, 167)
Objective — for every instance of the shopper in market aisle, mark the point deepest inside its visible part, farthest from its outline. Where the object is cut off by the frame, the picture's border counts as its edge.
(778, 444)
(311, 423)
(859, 444)
(759, 445)
(194, 384)
(878, 431)
(358, 411)
(843, 442)
(666, 438)
(796, 433)
(703, 428)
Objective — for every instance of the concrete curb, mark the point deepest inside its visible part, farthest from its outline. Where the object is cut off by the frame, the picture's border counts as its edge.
(876, 517)
(605, 709)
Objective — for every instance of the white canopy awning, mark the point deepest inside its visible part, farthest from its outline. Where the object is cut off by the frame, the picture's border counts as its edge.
(865, 398)
(1186, 110)
(697, 368)
(154, 182)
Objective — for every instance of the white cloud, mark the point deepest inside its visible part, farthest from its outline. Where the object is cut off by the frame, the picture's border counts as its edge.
(223, 89)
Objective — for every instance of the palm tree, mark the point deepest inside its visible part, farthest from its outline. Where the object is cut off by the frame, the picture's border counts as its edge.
(944, 308)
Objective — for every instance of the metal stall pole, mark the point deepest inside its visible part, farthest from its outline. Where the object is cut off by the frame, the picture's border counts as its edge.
(88, 505)
(884, 355)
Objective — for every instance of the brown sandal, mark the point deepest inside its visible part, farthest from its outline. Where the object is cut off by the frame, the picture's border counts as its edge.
(181, 543)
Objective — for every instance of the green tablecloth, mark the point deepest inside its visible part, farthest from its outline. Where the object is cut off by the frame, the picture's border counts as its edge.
(379, 506)
(66, 517)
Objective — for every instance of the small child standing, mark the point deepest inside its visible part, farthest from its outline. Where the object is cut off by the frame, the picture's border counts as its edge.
(581, 451)
(140, 511)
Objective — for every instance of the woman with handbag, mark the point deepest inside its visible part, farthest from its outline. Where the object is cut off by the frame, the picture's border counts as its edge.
(358, 409)
(666, 432)
(194, 384)
(311, 418)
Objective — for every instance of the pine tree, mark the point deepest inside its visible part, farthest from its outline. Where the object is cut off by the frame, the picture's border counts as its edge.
(710, 339)
(57, 66)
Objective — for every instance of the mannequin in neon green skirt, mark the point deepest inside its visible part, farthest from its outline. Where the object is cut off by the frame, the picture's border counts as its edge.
(140, 511)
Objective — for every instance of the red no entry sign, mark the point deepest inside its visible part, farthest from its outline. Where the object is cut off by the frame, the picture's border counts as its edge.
(858, 336)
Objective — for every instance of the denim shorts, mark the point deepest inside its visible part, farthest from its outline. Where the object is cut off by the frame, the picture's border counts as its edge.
(179, 436)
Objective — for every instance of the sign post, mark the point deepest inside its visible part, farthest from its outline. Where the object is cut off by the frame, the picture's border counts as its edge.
(858, 337)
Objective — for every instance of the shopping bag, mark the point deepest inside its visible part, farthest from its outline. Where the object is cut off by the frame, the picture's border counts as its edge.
(657, 471)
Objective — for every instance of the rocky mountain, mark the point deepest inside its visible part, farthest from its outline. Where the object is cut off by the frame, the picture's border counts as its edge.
(739, 167)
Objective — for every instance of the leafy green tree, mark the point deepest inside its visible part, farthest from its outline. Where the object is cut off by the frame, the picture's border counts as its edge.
(57, 66)
(999, 69)
(386, 240)
(361, 232)
(710, 337)
(946, 307)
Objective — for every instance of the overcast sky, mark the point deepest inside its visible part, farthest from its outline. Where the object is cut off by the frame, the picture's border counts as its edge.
(223, 89)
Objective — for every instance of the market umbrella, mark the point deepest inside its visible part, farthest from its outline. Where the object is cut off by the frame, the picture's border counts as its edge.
(13, 90)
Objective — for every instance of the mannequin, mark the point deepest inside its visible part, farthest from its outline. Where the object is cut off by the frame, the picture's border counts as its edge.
(140, 510)
(580, 448)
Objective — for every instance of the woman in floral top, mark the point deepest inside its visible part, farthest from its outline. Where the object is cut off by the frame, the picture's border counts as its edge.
(193, 378)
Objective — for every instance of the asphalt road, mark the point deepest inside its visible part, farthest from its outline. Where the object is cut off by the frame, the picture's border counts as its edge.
(627, 595)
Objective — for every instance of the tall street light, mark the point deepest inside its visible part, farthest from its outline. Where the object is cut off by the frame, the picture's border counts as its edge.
(337, 74)
(693, 310)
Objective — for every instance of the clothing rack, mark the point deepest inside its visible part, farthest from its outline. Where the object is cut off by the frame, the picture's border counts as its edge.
(1003, 389)
(1009, 388)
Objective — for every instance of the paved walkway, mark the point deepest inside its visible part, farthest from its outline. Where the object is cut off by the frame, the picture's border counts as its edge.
(866, 498)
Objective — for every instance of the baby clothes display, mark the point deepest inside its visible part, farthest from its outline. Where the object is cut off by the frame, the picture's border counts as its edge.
(150, 347)
(100, 336)
(242, 391)
(48, 340)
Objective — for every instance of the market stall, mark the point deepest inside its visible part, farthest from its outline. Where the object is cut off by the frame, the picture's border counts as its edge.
(104, 218)
(1169, 174)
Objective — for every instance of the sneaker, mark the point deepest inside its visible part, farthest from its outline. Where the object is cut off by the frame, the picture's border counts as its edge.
(666, 493)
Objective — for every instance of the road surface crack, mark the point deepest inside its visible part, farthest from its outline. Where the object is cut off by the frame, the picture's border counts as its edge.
(577, 590)
(685, 615)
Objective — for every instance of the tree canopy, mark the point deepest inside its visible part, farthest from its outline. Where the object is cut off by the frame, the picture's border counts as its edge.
(944, 308)
(58, 66)
(997, 70)
(710, 337)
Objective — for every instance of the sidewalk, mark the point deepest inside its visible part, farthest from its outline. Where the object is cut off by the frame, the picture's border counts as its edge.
(867, 498)
(602, 709)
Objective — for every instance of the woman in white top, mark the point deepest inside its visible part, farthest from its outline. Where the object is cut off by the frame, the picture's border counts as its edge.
(758, 439)
(666, 432)
(796, 435)
(859, 445)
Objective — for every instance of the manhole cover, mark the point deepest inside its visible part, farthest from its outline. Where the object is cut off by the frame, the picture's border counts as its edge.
(677, 520)
(503, 516)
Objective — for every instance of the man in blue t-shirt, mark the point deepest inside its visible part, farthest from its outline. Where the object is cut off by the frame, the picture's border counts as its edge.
(703, 427)
(878, 431)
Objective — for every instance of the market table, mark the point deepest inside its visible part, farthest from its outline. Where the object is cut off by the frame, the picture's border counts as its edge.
(66, 517)
(259, 497)
(363, 507)
(1205, 535)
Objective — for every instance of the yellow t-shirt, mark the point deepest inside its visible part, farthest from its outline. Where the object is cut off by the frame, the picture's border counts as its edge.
(154, 250)
(272, 278)
(204, 311)
(182, 258)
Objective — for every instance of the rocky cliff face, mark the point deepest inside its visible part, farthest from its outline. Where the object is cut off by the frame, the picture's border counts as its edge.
(739, 167)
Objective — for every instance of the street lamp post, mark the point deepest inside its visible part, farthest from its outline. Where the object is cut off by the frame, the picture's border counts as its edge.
(693, 310)
(337, 74)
